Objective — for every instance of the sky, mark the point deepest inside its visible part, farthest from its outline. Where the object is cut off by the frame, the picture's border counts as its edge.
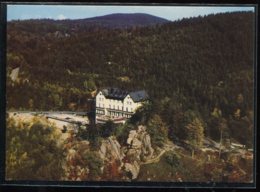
(59, 12)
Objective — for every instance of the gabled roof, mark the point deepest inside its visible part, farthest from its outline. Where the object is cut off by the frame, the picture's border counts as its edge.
(115, 93)
(138, 96)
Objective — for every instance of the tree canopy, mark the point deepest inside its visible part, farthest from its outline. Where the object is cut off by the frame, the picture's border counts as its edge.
(32, 151)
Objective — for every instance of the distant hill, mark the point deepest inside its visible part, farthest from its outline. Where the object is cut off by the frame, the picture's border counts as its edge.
(122, 20)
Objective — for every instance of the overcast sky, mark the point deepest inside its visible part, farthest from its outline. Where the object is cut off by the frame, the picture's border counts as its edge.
(22, 12)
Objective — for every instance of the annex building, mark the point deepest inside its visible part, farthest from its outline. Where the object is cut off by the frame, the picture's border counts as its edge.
(114, 102)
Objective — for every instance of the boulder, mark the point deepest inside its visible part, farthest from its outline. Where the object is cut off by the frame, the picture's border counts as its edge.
(147, 149)
(133, 168)
(141, 128)
(136, 143)
(131, 136)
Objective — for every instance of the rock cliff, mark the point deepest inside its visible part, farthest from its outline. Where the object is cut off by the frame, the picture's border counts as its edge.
(139, 149)
(118, 162)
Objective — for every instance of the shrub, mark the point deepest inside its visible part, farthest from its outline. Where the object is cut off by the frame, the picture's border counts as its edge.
(172, 158)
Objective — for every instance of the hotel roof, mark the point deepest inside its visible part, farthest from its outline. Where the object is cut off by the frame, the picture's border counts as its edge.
(118, 94)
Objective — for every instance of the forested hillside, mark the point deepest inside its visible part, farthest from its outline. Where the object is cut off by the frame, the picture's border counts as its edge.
(200, 67)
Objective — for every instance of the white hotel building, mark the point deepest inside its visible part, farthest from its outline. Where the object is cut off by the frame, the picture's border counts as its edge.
(113, 102)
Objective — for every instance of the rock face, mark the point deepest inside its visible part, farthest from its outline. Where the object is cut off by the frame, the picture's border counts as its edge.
(125, 161)
(119, 163)
(111, 153)
(140, 140)
(139, 149)
(110, 149)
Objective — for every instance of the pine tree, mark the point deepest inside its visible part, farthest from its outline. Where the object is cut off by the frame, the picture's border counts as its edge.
(195, 132)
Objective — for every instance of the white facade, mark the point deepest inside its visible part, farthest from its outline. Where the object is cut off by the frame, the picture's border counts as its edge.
(130, 105)
(113, 107)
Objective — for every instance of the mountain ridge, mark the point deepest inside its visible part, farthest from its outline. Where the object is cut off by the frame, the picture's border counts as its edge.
(114, 20)
(125, 20)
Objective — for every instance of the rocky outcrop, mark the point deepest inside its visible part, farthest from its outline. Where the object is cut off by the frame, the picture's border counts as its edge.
(139, 149)
(112, 155)
(140, 140)
(119, 163)
(125, 161)
(110, 149)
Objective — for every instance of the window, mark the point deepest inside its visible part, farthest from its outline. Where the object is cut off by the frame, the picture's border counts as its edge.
(109, 106)
(113, 106)
(126, 109)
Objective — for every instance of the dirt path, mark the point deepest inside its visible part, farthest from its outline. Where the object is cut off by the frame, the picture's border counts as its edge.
(156, 159)
(167, 147)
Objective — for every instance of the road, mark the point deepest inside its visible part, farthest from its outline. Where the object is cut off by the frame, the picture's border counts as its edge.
(60, 118)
